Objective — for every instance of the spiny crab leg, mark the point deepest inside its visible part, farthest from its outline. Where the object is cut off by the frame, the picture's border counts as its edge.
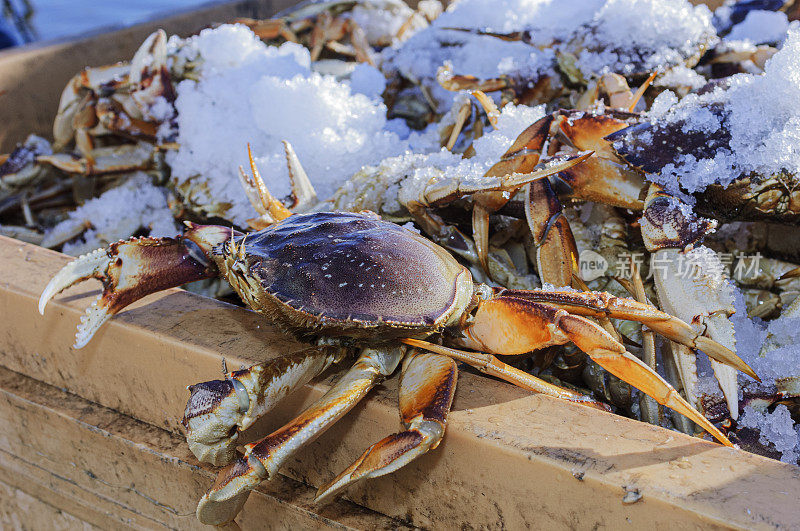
(263, 459)
(219, 410)
(427, 386)
(446, 189)
(509, 325)
(134, 268)
(303, 196)
(492, 366)
(598, 304)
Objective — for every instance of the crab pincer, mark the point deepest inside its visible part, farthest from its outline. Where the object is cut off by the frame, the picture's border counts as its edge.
(134, 268)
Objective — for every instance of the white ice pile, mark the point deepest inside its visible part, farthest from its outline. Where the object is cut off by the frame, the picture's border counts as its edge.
(249, 92)
(603, 35)
(761, 114)
(118, 214)
(773, 351)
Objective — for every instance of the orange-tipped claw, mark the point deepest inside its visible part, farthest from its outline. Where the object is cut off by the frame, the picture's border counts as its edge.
(258, 193)
(597, 304)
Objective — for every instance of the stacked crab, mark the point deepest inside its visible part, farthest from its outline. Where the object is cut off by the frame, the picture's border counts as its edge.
(552, 212)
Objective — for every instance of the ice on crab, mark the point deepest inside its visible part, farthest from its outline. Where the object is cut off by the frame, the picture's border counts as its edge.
(755, 122)
(378, 187)
(115, 215)
(248, 92)
(626, 36)
(761, 27)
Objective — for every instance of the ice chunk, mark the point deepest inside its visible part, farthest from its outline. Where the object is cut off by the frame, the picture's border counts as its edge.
(680, 76)
(774, 427)
(761, 27)
(367, 80)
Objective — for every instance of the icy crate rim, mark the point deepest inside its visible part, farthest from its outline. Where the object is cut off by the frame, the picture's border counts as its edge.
(507, 456)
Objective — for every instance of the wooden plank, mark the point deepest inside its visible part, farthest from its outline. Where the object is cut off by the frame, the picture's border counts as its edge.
(66, 460)
(508, 459)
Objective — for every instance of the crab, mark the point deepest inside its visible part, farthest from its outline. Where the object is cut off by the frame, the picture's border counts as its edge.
(114, 100)
(353, 282)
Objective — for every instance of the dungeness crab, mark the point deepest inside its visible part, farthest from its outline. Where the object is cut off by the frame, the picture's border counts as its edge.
(353, 282)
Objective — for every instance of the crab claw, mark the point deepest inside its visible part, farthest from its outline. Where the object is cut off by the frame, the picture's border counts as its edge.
(133, 268)
(691, 285)
(556, 251)
(217, 411)
(262, 459)
(230, 491)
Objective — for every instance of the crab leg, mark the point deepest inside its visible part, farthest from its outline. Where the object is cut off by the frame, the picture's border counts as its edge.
(508, 325)
(427, 386)
(492, 366)
(521, 157)
(526, 149)
(556, 251)
(604, 181)
(446, 189)
(134, 268)
(271, 210)
(263, 459)
(599, 304)
(605, 178)
(219, 410)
